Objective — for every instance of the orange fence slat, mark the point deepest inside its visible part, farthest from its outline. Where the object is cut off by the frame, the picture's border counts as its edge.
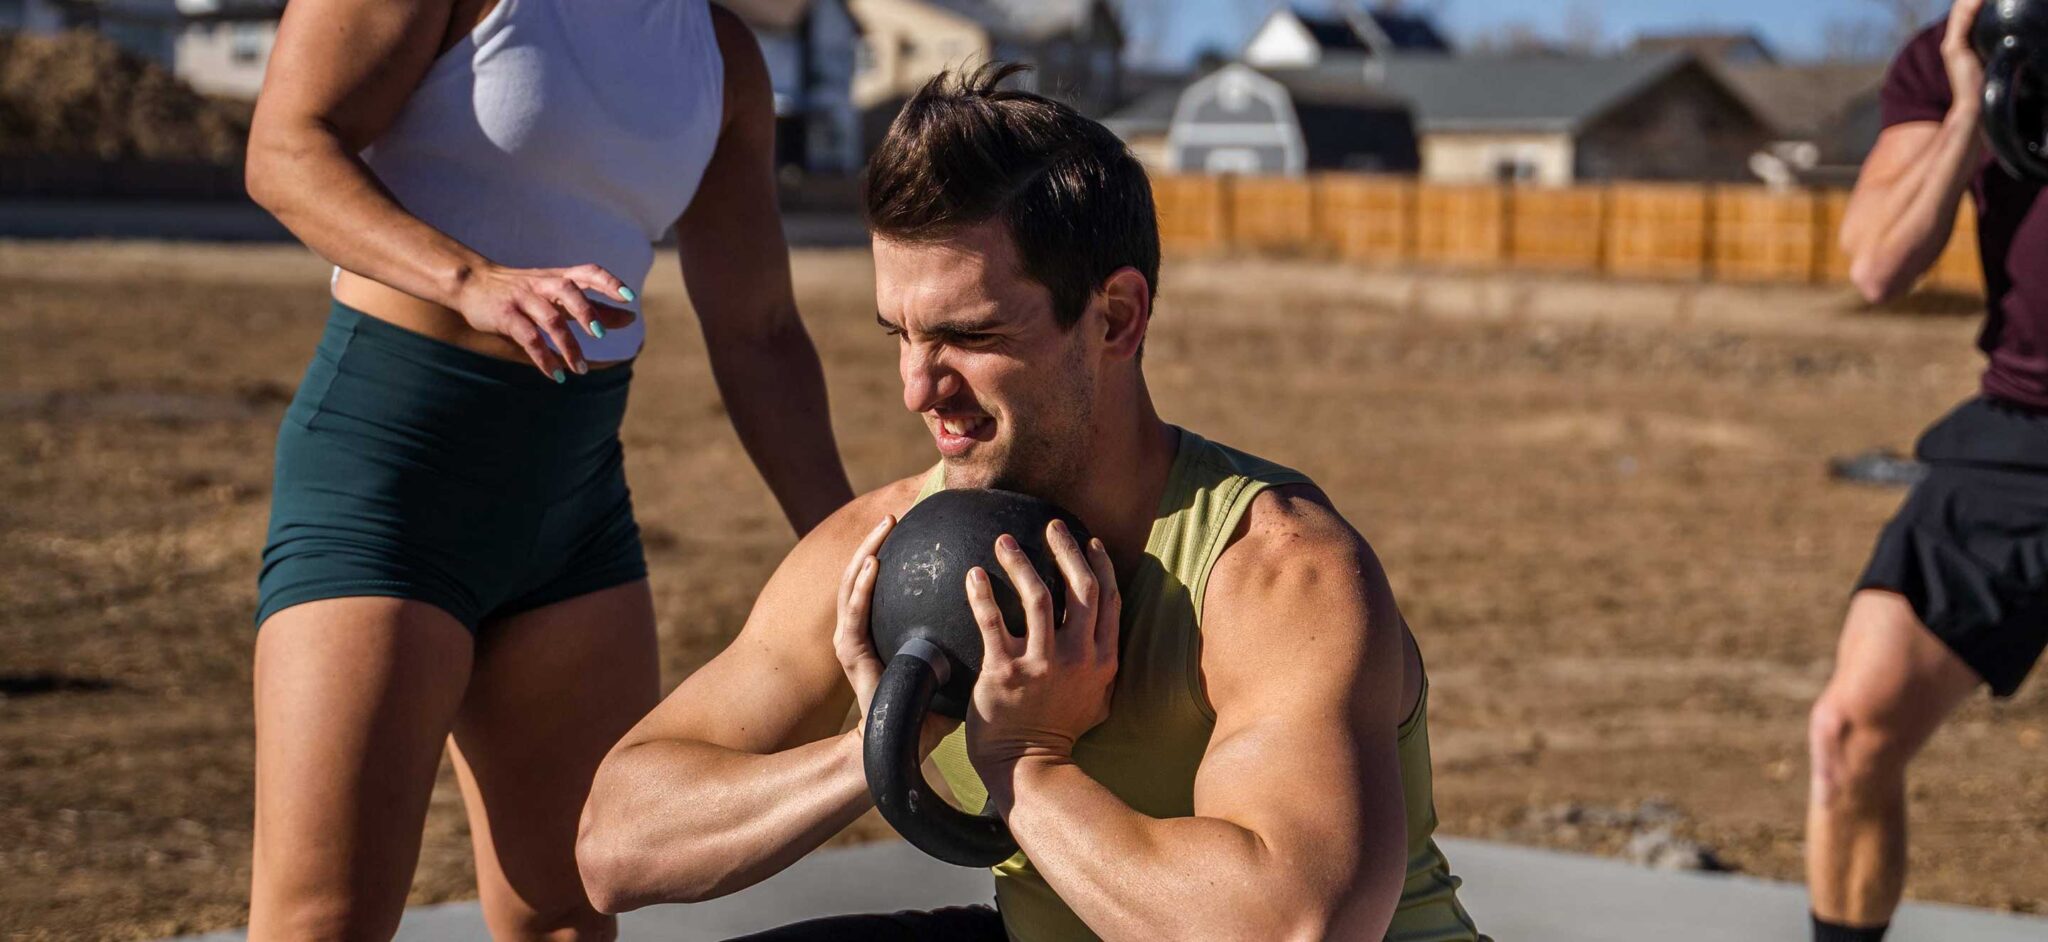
(1833, 266)
(1366, 218)
(1657, 231)
(1272, 214)
(1959, 268)
(1463, 226)
(1634, 230)
(1765, 235)
(1557, 229)
(1193, 214)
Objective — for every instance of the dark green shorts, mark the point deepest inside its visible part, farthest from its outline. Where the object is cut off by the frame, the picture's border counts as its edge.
(412, 468)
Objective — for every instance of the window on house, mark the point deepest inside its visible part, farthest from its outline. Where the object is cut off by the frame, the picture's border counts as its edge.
(245, 43)
(1514, 169)
(1231, 160)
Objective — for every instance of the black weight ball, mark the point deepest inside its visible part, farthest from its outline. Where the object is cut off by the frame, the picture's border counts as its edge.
(924, 630)
(921, 577)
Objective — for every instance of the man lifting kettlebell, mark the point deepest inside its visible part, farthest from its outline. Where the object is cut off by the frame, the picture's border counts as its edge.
(1222, 734)
(1956, 592)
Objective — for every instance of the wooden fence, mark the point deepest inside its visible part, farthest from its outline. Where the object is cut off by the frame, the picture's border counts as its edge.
(1670, 231)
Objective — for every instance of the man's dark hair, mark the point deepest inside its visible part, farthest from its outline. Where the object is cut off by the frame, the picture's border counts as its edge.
(964, 151)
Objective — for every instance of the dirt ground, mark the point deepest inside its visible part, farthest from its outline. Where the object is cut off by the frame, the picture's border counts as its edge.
(1604, 509)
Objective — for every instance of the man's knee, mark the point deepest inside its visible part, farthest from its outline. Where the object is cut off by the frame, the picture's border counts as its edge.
(1857, 759)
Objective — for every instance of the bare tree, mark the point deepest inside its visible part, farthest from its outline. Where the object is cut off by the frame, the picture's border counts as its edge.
(1585, 28)
(1856, 40)
(1512, 37)
(1145, 23)
(1876, 36)
(1906, 17)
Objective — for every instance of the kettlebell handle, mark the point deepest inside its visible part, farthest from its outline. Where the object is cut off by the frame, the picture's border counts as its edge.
(2022, 158)
(895, 722)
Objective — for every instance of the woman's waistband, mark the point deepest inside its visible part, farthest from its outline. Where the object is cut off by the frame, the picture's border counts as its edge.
(344, 321)
(428, 403)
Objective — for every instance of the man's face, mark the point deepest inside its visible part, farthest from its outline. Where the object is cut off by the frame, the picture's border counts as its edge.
(1007, 394)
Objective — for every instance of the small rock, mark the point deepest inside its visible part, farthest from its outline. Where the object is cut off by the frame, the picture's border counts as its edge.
(1659, 849)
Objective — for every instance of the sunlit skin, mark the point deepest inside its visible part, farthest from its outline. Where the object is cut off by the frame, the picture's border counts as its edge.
(1304, 656)
(1895, 683)
(1031, 405)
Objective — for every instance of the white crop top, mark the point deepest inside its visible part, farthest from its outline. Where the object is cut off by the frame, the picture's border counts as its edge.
(563, 132)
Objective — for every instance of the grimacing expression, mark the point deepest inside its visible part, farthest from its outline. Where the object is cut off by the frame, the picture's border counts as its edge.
(1006, 393)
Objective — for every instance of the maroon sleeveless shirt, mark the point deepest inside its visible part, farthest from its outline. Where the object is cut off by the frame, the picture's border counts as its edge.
(2012, 234)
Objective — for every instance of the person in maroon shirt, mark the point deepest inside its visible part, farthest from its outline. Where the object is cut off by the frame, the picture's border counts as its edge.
(1956, 592)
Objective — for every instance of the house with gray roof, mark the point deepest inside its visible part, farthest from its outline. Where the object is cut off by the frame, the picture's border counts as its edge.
(1290, 38)
(810, 48)
(1286, 121)
(1824, 116)
(1075, 47)
(1740, 47)
(1557, 120)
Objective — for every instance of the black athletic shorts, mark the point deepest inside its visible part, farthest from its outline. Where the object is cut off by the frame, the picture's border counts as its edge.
(951, 924)
(1969, 548)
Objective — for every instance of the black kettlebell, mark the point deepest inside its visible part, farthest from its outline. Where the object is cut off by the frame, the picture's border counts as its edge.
(2011, 37)
(924, 629)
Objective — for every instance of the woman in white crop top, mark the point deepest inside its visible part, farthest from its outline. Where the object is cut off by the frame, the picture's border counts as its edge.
(452, 554)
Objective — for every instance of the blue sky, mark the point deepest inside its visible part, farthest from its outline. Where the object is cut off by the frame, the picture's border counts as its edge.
(1793, 26)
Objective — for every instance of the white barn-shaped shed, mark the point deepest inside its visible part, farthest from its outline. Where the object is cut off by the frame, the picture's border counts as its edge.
(1236, 121)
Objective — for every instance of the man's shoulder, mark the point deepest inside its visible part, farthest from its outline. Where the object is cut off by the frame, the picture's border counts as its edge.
(850, 524)
(1916, 86)
(1292, 543)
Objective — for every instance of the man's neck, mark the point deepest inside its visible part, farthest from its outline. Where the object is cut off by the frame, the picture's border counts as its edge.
(1128, 464)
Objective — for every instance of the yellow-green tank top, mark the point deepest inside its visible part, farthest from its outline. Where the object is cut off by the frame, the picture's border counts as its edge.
(1160, 720)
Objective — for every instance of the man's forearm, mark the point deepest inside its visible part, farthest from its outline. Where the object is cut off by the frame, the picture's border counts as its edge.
(1922, 224)
(774, 391)
(672, 821)
(1131, 876)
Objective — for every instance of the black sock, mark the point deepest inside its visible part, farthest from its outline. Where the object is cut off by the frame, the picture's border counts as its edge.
(1825, 931)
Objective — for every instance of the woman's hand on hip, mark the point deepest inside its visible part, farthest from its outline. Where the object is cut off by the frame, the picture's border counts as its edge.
(536, 307)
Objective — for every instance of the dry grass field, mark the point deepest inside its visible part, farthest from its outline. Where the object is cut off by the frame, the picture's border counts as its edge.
(1604, 508)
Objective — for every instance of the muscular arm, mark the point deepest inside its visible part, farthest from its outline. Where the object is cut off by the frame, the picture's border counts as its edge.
(1298, 830)
(736, 266)
(340, 73)
(743, 769)
(1903, 210)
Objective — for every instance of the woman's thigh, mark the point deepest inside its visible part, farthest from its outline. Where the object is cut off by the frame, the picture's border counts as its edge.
(553, 689)
(354, 698)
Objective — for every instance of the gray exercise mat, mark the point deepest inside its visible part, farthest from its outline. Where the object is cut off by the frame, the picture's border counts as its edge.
(1515, 893)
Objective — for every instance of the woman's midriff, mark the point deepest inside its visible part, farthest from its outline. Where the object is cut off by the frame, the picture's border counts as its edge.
(420, 316)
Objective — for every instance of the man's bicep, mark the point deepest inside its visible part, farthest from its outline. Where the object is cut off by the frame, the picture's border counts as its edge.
(1301, 660)
(776, 686)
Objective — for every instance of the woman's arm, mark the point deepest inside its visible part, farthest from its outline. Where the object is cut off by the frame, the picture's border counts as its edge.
(736, 267)
(339, 75)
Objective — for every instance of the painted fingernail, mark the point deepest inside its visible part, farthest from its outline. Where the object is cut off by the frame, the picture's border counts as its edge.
(560, 377)
(626, 293)
(597, 330)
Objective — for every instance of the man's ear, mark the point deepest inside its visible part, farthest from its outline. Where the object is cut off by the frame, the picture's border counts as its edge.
(1126, 312)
